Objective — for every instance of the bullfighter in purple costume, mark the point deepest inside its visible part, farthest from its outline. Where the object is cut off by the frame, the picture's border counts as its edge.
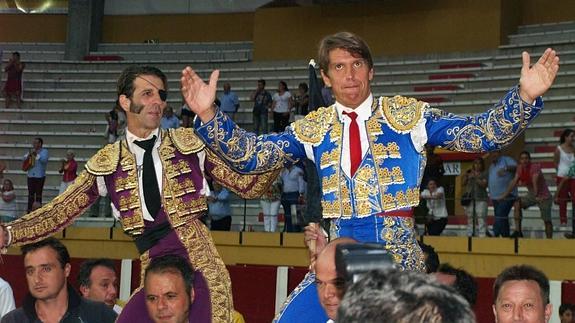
(168, 224)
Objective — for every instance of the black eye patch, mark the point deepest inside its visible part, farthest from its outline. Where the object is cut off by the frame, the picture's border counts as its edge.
(163, 95)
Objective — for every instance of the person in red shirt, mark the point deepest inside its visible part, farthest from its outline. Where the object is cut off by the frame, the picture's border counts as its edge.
(68, 170)
(530, 176)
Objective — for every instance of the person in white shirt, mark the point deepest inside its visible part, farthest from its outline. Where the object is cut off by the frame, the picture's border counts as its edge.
(281, 107)
(6, 298)
(434, 196)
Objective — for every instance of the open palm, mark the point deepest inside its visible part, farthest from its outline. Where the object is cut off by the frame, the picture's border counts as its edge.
(198, 95)
(537, 79)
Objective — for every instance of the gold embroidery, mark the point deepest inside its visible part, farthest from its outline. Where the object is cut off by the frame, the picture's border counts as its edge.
(105, 160)
(397, 175)
(313, 128)
(373, 126)
(186, 140)
(329, 184)
(384, 177)
(401, 113)
(388, 202)
(329, 158)
(363, 208)
(365, 174)
(125, 183)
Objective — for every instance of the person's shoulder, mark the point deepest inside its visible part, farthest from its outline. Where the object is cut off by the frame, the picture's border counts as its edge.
(97, 311)
(313, 128)
(186, 140)
(402, 113)
(16, 315)
(104, 162)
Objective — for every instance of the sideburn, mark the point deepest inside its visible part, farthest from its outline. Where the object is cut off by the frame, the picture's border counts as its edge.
(136, 108)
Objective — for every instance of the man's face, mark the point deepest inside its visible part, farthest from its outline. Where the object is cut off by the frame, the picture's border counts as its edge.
(36, 144)
(328, 286)
(103, 286)
(567, 317)
(45, 276)
(144, 110)
(227, 88)
(261, 86)
(521, 301)
(524, 159)
(349, 77)
(166, 298)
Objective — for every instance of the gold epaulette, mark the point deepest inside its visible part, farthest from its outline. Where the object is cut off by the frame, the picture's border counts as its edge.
(186, 140)
(105, 161)
(313, 128)
(402, 114)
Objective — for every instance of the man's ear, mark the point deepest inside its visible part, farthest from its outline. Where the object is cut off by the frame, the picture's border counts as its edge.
(192, 295)
(548, 312)
(325, 78)
(494, 312)
(125, 102)
(84, 291)
(67, 269)
(371, 74)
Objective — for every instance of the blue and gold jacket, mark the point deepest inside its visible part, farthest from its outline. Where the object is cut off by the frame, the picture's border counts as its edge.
(390, 173)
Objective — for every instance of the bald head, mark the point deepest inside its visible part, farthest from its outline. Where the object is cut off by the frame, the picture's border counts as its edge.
(329, 285)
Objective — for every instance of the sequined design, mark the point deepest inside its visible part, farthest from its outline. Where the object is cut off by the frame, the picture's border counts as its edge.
(56, 215)
(205, 258)
(105, 160)
(401, 113)
(186, 140)
(313, 128)
(308, 280)
(399, 239)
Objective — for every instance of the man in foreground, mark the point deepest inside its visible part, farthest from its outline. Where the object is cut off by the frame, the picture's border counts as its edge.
(521, 294)
(51, 298)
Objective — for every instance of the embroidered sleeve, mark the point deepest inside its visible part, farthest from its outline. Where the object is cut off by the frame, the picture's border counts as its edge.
(244, 185)
(244, 151)
(57, 214)
(487, 131)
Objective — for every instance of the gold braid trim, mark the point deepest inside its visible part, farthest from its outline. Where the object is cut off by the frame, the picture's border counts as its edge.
(57, 214)
(205, 258)
(401, 113)
(245, 186)
(186, 140)
(313, 128)
(105, 160)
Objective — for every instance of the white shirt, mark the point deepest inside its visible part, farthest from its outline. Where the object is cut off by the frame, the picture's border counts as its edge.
(436, 206)
(6, 298)
(139, 155)
(363, 112)
(282, 102)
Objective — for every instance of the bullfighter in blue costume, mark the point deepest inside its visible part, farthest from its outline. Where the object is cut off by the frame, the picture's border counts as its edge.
(368, 151)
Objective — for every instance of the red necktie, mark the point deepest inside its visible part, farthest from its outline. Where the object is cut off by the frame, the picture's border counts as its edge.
(354, 142)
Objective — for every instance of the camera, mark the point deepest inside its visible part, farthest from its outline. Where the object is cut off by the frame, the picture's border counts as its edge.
(353, 260)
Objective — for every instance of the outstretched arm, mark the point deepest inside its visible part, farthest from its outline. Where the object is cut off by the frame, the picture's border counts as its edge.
(198, 95)
(537, 79)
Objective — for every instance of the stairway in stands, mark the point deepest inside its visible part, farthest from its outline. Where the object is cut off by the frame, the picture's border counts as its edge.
(65, 101)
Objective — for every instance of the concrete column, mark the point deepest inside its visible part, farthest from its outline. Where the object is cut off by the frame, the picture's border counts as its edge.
(84, 27)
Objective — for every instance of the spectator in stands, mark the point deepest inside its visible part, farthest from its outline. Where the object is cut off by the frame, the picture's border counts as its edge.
(293, 189)
(230, 103)
(262, 107)
(2, 169)
(168, 284)
(521, 294)
(501, 173)
(564, 157)
(7, 303)
(431, 257)
(68, 169)
(187, 115)
(434, 197)
(529, 175)
(566, 313)
(98, 282)
(395, 296)
(564, 181)
(155, 181)
(433, 168)
(112, 126)
(169, 119)
(475, 183)
(8, 204)
(301, 101)
(219, 208)
(51, 298)
(13, 86)
(281, 107)
(270, 203)
(461, 280)
(384, 182)
(34, 163)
